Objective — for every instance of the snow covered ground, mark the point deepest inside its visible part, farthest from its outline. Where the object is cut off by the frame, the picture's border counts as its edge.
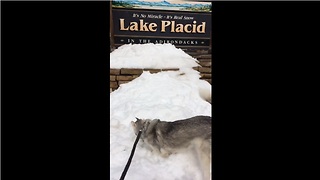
(168, 96)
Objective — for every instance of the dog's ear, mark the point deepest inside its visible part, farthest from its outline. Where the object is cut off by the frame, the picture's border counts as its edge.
(133, 124)
(138, 119)
(146, 125)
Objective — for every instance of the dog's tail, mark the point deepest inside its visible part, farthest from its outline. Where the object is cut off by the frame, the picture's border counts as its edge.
(203, 151)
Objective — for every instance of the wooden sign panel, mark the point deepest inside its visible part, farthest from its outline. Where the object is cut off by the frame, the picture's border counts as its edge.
(189, 29)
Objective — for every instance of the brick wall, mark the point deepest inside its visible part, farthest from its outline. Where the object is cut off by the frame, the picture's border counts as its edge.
(120, 76)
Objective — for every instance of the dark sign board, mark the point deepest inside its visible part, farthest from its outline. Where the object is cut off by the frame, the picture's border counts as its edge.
(180, 28)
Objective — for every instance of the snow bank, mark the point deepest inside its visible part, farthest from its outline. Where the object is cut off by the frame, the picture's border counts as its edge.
(168, 96)
(153, 56)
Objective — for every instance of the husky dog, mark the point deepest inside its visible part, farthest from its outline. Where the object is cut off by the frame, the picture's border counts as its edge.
(167, 138)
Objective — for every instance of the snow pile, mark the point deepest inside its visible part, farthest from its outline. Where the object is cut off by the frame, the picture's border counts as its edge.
(168, 96)
(153, 56)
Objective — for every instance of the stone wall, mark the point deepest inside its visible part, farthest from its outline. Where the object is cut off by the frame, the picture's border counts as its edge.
(120, 76)
(205, 61)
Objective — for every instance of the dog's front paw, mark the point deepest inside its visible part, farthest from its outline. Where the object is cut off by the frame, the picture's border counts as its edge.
(164, 153)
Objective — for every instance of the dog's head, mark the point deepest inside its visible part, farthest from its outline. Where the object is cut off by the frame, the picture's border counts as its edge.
(140, 124)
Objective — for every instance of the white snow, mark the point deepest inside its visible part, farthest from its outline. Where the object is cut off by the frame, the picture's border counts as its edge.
(153, 56)
(167, 95)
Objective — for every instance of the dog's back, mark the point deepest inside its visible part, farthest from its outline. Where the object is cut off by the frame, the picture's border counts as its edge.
(180, 132)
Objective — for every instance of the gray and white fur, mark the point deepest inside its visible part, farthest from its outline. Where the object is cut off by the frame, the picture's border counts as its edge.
(166, 138)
